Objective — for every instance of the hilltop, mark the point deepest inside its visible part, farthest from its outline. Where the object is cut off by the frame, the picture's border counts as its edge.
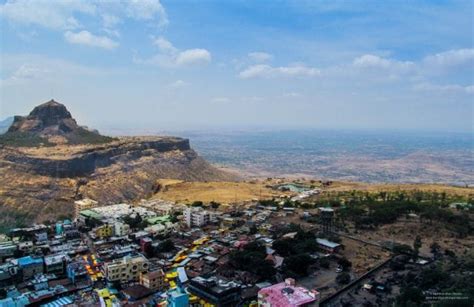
(47, 161)
(49, 124)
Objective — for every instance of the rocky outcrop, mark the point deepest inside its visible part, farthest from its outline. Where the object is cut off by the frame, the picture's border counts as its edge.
(50, 123)
(85, 162)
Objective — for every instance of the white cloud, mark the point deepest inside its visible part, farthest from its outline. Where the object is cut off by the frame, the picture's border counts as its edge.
(449, 88)
(292, 95)
(260, 56)
(252, 99)
(89, 39)
(57, 15)
(164, 45)
(147, 10)
(267, 71)
(26, 72)
(451, 58)
(110, 21)
(178, 84)
(220, 100)
(193, 57)
(170, 56)
(370, 61)
(34, 69)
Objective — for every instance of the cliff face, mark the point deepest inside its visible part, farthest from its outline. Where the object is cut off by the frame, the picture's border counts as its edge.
(38, 183)
(84, 163)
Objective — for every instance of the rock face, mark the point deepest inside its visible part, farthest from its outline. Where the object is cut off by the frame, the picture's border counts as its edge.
(86, 162)
(51, 122)
(48, 118)
(42, 182)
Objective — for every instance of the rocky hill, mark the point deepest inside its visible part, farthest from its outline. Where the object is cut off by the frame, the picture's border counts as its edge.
(48, 124)
(46, 163)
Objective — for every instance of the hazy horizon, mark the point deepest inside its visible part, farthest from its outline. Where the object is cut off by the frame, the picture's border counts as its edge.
(164, 65)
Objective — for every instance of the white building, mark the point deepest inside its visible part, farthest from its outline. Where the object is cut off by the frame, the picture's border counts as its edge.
(121, 229)
(162, 229)
(197, 217)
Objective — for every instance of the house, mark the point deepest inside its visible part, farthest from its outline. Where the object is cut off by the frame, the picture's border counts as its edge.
(153, 280)
(55, 264)
(177, 298)
(216, 291)
(287, 294)
(83, 204)
(136, 292)
(126, 269)
(327, 245)
(30, 266)
(121, 229)
(104, 231)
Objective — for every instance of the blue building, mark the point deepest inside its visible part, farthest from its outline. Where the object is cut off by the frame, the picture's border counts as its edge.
(178, 298)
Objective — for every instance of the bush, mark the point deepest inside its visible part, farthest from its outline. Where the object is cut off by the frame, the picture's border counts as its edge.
(343, 278)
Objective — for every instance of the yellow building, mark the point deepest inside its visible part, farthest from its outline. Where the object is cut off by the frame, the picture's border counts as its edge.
(126, 269)
(83, 204)
(104, 231)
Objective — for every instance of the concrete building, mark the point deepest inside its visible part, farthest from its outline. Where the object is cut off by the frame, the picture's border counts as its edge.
(55, 264)
(153, 280)
(104, 231)
(287, 294)
(197, 217)
(177, 298)
(126, 269)
(83, 204)
(121, 229)
(215, 291)
(30, 266)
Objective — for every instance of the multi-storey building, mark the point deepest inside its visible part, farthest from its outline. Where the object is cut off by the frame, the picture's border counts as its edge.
(196, 217)
(83, 204)
(153, 280)
(126, 269)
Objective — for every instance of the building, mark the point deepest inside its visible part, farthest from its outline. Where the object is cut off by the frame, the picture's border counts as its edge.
(126, 269)
(327, 245)
(55, 264)
(287, 294)
(104, 231)
(121, 229)
(41, 236)
(178, 298)
(7, 249)
(88, 214)
(153, 280)
(197, 217)
(30, 266)
(162, 229)
(8, 274)
(83, 204)
(77, 272)
(216, 291)
(326, 217)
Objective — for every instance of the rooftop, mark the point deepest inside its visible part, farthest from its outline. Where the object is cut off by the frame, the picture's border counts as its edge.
(327, 243)
(286, 295)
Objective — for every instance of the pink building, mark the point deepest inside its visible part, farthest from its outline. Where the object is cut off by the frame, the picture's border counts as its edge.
(287, 294)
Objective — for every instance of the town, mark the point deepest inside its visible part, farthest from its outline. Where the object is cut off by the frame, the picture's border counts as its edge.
(278, 252)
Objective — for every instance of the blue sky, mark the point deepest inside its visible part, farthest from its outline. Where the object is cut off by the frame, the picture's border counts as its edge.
(150, 65)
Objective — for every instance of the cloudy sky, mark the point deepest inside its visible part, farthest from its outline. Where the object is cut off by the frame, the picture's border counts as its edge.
(150, 64)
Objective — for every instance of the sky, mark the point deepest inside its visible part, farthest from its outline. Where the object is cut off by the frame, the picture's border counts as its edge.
(146, 65)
